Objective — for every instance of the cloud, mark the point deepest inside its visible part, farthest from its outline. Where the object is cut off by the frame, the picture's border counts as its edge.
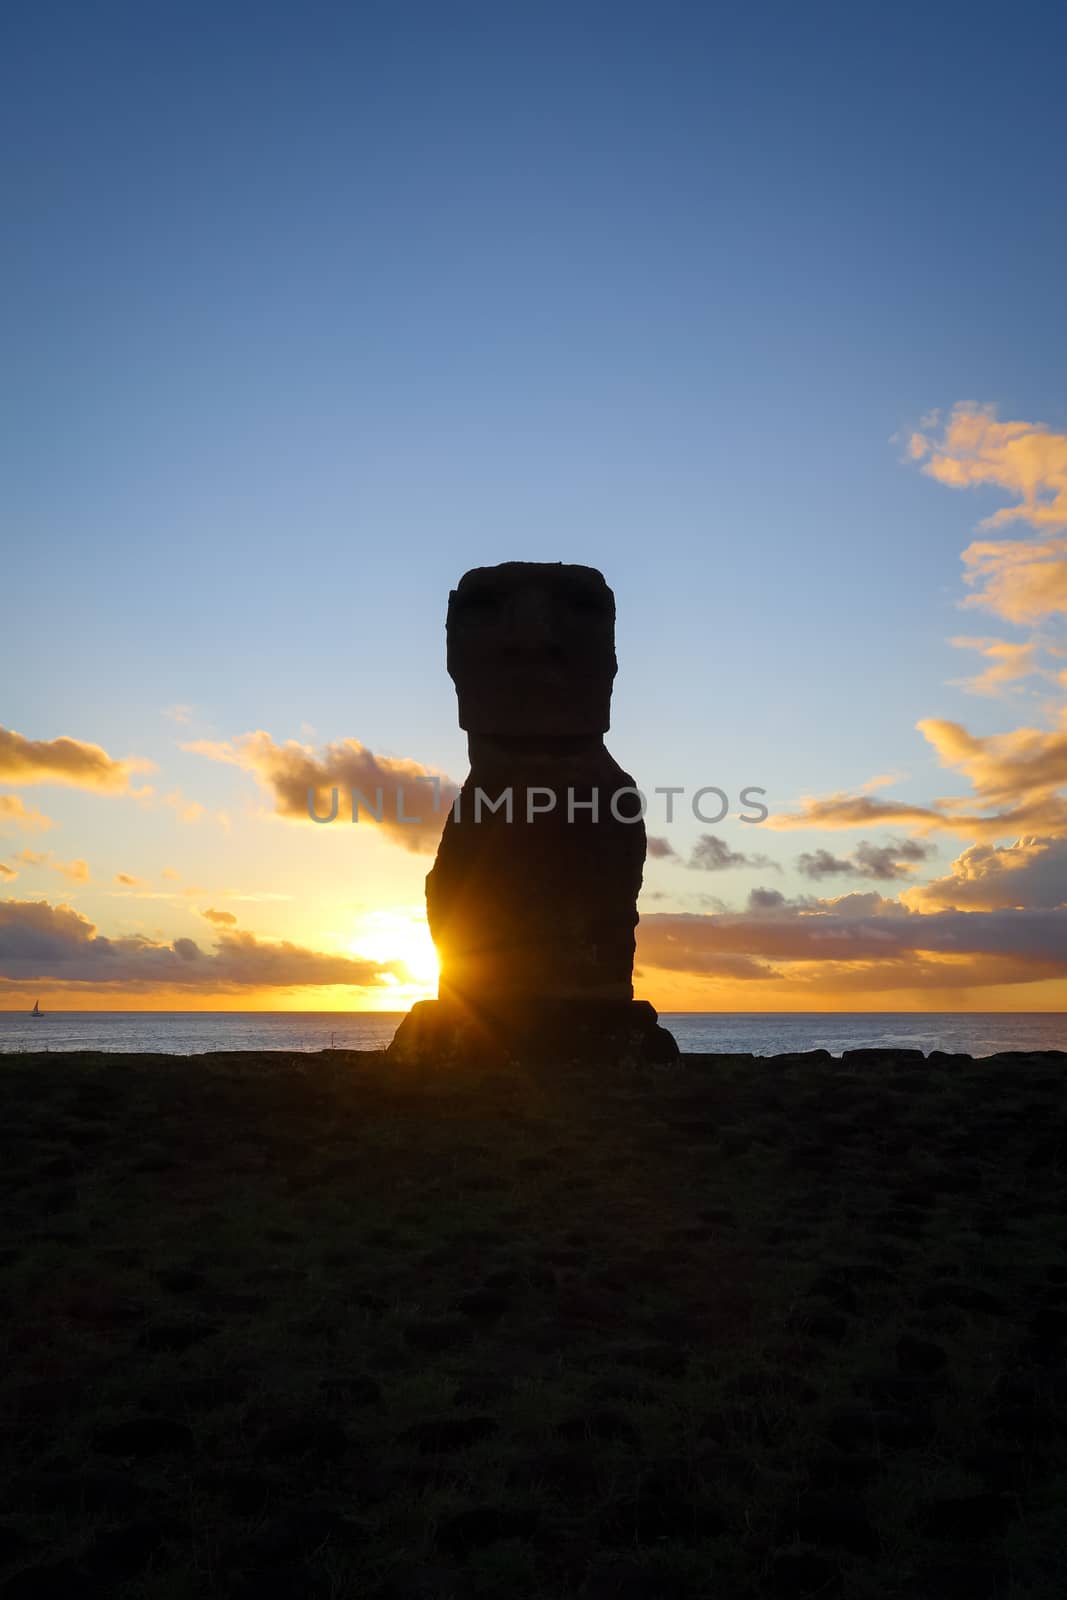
(64, 760)
(222, 919)
(289, 771)
(843, 810)
(660, 849)
(1009, 662)
(1022, 582)
(179, 713)
(712, 854)
(73, 871)
(1031, 872)
(895, 946)
(1002, 768)
(823, 864)
(6, 872)
(761, 901)
(883, 780)
(171, 875)
(882, 862)
(1026, 459)
(41, 942)
(128, 881)
(188, 810)
(13, 813)
(1016, 776)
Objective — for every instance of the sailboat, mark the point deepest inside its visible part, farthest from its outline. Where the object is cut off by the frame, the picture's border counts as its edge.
(36, 1012)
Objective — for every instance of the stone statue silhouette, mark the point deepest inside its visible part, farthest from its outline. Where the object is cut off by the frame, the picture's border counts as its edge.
(532, 900)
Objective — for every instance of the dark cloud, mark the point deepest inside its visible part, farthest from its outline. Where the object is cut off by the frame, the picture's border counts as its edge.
(859, 928)
(884, 863)
(658, 848)
(712, 854)
(822, 864)
(760, 900)
(40, 942)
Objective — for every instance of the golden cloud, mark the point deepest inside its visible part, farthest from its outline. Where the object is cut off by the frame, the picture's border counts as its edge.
(1009, 663)
(843, 810)
(73, 871)
(290, 771)
(63, 760)
(1021, 581)
(222, 919)
(6, 872)
(1003, 768)
(1024, 458)
(1018, 580)
(27, 818)
(188, 810)
(1020, 772)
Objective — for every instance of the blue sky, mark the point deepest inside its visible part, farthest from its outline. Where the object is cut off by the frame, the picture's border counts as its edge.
(309, 309)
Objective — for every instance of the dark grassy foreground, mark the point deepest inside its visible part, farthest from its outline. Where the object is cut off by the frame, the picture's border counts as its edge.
(309, 1326)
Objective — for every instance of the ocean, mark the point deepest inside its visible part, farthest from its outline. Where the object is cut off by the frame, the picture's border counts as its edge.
(755, 1033)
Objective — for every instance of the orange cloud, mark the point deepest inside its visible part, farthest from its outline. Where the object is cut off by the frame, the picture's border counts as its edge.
(188, 810)
(222, 919)
(6, 872)
(73, 871)
(1024, 458)
(15, 814)
(1020, 772)
(63, 760)
(288, 772)
(128, 881)
(1003, 768)
(843, 810)
(1009, 663)
(1021, 581)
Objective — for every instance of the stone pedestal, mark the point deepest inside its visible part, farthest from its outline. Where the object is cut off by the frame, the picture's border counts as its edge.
(553, 1031)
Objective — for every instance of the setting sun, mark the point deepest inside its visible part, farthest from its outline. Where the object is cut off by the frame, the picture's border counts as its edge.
(399, 934)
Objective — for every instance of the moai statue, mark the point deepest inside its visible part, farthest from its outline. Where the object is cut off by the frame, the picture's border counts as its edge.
(532, 900)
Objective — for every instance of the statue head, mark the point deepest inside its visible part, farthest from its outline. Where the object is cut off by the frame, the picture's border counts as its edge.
(531, 649)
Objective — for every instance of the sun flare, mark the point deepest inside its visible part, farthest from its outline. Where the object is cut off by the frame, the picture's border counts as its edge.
(399, 934)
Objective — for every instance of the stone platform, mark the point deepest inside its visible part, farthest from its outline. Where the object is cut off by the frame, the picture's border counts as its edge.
(557, 1030)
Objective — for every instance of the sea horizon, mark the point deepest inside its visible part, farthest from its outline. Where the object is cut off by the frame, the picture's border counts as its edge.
(697, 1032)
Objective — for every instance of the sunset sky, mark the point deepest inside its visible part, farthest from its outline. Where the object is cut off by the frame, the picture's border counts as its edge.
(309, 309)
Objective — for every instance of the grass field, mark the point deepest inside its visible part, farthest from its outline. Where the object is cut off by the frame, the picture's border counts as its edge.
(309, 1326)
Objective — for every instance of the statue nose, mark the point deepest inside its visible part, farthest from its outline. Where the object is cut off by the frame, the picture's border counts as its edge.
(531, 620)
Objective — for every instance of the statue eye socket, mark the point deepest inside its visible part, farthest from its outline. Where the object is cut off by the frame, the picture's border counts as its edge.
(481, 599)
